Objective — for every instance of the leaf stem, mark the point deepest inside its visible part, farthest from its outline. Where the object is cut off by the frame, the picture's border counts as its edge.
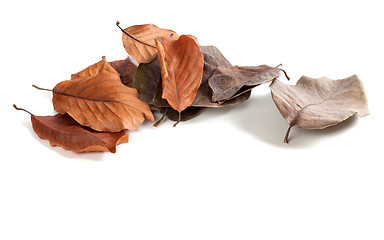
(45, 89)
(129, 35)
(22, 109)
(178, 120)
(285, 73)
(287, 134)
(161, 119)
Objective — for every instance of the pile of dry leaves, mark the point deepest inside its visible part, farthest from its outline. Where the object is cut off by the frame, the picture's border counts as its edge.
(179, 78)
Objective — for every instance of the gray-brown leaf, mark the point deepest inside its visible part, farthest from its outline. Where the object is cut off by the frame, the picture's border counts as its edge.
(319, 103)
(229, 82)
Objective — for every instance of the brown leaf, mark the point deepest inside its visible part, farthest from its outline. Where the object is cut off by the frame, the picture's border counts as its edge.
(229, 82)
(319, 103)
(147, 81)
(214, 59)
(62, 130)
(126, 69)
(181, 63)
(101, 101)
(139, 40)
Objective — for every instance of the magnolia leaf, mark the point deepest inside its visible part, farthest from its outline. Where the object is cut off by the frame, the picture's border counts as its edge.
(126, 70)
(101, 101)
(317, 103)
(181, 63)
(62, 130)
(139, 40)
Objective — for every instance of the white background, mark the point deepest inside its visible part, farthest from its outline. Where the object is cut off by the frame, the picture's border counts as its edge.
(225, 174)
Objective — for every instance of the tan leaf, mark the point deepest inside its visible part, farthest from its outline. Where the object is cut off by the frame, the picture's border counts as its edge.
(319, 103)
(62, 130)
(181, 63)
(101, 101)
(140, 43)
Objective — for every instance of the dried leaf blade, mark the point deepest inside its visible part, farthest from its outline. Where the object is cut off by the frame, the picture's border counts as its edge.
(62, 130)
(317, 103)
(101, 102)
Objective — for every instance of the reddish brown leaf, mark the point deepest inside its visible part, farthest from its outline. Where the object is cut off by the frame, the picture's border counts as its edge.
(101, 101)
(181, 63)
(62, 130)
(126, 69)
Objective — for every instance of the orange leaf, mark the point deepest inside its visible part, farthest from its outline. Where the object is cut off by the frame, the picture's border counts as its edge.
(100, 100)
(181, 63)
(142, 46)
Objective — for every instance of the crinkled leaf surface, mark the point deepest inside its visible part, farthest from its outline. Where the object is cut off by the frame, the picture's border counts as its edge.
(316, 103)
(101, 101)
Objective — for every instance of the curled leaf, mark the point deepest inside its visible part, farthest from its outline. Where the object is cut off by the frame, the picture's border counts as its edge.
(101, 101)
(229, 82)
(316, 103)
(62, 130)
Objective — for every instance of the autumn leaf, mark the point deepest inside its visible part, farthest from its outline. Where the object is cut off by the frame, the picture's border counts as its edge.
(214, 59)
(181, 63)
(62, 130)
(319, 103)
(229, 82)
(147, 81)
(139, 40)
(101, 101)
(126, 70)
(94, 69)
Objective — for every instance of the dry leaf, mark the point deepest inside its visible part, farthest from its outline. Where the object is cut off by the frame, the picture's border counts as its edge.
(101, 101)
(126, 69)
(319, 103)
(139, 40)
(147, 81)
(181, 63)
(229, 82)
(214, 59)
(62, 130)
(94, 69)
